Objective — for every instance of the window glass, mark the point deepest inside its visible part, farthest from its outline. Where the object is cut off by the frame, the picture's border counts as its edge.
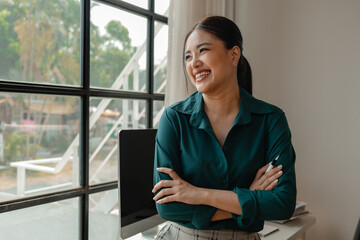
(40, 41)
(162, 6)
(53, 221)
(107, 118)
(118, 49)
(139, 3)
(160, 57)
(104, 215)
(39, 139)
(158, 111)
(41, 52)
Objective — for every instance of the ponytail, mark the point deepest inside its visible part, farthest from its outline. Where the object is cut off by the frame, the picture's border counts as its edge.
(244, 76)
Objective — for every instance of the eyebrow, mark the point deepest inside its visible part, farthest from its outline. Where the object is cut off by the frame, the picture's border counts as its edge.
(199, 46)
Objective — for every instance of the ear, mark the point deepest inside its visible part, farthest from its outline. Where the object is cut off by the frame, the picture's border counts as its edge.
(235, 53)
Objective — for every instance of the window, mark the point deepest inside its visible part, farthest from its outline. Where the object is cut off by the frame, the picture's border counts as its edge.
(72, 74)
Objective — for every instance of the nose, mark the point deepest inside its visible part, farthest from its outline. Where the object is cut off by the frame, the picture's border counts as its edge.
(195, 62)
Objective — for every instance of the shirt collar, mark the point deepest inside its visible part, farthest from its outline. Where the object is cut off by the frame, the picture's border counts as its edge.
(250, 105)
(194, 106)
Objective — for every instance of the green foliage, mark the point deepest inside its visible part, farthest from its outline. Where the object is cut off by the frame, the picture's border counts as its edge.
(9, 46)
(109, 54)
(40, 42)
(56, 144)
(15, 146)
(116, 31)
(12, 146)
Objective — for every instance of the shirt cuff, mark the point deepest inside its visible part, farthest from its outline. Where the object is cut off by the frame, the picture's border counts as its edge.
(248, 207)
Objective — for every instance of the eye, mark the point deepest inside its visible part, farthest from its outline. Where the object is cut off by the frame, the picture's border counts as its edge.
(187, 57)
(203, 49)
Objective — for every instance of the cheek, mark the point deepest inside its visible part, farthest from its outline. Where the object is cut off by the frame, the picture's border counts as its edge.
(188, 70)
(223, 68)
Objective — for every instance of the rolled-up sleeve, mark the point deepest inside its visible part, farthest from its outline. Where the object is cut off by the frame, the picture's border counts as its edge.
(168, 154)
(279, 203)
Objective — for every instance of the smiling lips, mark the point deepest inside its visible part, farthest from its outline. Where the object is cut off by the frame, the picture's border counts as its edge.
(201, 75)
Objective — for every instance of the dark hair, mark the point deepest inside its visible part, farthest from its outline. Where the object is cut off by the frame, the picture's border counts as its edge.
(227, 31)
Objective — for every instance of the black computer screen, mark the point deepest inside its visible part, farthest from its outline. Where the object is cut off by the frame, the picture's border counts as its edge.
(136, 162)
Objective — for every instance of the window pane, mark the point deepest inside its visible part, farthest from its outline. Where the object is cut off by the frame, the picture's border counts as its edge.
(162, 7)
(53, 221)
(107, 117)
(104, 215)
(118, 49)
(158, 110)
(139, 3)
(160, 57)
(40, 41)
(38, 143)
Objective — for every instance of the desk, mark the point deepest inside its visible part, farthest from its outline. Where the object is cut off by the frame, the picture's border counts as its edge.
(292, 230)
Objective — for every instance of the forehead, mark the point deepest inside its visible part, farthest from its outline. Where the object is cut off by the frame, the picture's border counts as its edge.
(200, 36)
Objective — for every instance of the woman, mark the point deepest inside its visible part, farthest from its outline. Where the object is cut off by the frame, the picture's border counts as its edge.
(212, 149)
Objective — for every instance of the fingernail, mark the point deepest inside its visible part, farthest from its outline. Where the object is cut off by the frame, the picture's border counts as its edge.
(276, 180)
(280, 166)
(281, 172)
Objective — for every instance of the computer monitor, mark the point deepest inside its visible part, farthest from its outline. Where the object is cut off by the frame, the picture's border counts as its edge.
(137, 209)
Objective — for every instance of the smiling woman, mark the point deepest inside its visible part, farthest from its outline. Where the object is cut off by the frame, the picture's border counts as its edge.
(209, 63)
(227, 36)
(231, 137)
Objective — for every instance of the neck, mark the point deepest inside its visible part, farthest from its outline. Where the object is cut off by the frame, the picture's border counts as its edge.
(223, 103)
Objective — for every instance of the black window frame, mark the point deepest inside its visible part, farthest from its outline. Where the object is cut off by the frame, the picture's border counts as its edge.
(85, 92)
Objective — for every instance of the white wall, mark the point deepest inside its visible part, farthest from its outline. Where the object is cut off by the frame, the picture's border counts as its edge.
(305, 57)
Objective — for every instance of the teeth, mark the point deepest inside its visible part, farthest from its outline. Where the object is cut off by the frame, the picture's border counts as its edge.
(198, 75)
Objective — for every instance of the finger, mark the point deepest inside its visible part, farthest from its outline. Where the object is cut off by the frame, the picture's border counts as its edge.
(272, 185)
(162, 184)
(276, 169)
(261, 172)
(273, 171)
(263, 169)
(167, 199)
(169, 171)
(164, 192)
(268, 181)
(262, 179)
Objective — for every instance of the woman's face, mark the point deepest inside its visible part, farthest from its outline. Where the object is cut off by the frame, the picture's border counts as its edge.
(208, 63)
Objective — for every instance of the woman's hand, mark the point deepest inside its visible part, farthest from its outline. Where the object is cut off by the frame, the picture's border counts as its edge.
(176, 190)
(266, 181)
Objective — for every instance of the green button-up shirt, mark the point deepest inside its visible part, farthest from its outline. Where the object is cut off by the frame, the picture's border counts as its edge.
(186, 143)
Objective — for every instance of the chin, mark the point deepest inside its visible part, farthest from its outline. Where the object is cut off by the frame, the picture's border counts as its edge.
(202, 89)
(204, 86)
